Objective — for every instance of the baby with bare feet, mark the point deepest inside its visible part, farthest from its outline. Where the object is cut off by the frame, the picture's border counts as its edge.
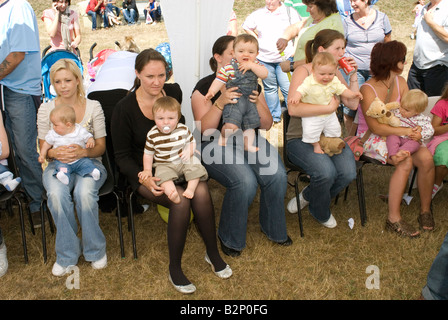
(413, 103)
(169, 149)
(318, 89)
(242, 72)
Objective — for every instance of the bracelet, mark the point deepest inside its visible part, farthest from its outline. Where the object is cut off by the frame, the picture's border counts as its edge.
(356, 80)
(217, 105)
(291, 66)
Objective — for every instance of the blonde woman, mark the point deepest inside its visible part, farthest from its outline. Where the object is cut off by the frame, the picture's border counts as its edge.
(82, 192)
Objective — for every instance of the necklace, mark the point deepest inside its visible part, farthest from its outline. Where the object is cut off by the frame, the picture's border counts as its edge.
(363, 20)
(387, 86)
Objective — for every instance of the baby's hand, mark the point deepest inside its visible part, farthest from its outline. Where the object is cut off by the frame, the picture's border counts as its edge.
(359, 95)
(90, 143)
(245, 66)
(41, 159)
(209, 95)
(145, 174)
(417, 129)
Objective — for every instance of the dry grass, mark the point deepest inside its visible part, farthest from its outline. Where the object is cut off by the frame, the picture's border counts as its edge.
(325, 264)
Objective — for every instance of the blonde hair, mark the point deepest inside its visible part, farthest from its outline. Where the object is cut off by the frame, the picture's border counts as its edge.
(70, 65)
(64, 113)
(415, 100)
(167, 104)
(323, 59)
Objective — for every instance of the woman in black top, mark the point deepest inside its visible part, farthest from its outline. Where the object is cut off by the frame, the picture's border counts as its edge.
(131, 121)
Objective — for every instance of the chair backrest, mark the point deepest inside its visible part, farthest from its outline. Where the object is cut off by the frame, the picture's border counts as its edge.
(109, 184)
(431, 102)
(288, 164)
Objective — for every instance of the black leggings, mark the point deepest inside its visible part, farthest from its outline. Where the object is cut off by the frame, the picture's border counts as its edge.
(178, 222)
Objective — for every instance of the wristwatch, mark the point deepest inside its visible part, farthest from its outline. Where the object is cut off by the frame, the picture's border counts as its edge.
(291, 66)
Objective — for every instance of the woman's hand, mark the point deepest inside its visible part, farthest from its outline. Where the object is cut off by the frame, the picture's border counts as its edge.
(254, 96)
(150, 184)
(69, 153)
(281, 44)
(351, 61)
(229, 95)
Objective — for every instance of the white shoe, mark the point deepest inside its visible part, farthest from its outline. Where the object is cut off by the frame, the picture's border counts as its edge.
(436, 189)
(3, 260)
(224, 273)
(330, 223)
(59, 270)
(186, 289)
(100, 264)
(292, 204)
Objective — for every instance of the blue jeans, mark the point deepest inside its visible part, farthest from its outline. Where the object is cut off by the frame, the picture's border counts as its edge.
(112, 8)
(130, 15)
(437, 282)
(82, 167)
(328, 175)
(241, 173)
(20, 122)
(62, 207)
(93, 15)
(276, 78)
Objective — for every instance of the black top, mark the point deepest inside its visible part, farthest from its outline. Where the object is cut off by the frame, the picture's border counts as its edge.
(129, 128)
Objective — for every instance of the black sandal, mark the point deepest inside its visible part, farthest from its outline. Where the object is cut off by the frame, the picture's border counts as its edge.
(426, 221)
(402, 228)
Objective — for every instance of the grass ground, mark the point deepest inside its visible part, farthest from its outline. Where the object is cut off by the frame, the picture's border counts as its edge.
(324, 265)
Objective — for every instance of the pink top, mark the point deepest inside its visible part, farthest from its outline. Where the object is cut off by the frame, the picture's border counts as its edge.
(362, 124)
(56, 42)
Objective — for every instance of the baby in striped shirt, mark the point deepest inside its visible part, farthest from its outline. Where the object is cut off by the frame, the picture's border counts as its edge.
(170, 150)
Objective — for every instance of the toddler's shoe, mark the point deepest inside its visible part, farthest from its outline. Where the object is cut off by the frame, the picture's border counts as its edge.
(12, 184)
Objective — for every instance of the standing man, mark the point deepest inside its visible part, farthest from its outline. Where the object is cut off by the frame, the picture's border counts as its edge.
(20, 92)
(429, 70)
(267, 25)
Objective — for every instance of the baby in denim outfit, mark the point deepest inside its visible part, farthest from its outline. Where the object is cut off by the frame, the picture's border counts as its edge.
(243, 72)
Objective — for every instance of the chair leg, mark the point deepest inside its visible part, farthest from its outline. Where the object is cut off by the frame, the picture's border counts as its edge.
(299, 211)
(361, 195)
(120, 229)
(44, 238)
(22, 227)
(411, 184)
(131, 221)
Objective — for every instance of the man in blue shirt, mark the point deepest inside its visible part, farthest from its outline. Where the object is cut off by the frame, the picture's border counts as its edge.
(20, 81)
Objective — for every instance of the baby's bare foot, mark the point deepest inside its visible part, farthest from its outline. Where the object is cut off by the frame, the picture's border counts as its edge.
(189, 194)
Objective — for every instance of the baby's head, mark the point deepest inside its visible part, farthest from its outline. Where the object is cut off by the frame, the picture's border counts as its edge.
(413, 102)
(166, 111)
(324, 67)
(63, 118)
(245, 48)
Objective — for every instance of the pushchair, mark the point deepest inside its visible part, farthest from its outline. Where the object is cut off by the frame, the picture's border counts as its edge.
(47, 62)
(96, 62)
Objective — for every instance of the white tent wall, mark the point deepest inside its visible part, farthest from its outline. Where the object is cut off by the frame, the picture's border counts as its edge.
(192, 27)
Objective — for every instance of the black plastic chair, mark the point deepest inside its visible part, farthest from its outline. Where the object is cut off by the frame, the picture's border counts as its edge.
(7, 197)
(109, 187)
(291, 167)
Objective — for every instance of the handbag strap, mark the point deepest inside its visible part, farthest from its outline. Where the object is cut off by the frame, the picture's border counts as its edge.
(387, 100)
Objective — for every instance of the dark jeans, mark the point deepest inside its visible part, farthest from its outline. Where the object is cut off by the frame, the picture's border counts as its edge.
(431, 81)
